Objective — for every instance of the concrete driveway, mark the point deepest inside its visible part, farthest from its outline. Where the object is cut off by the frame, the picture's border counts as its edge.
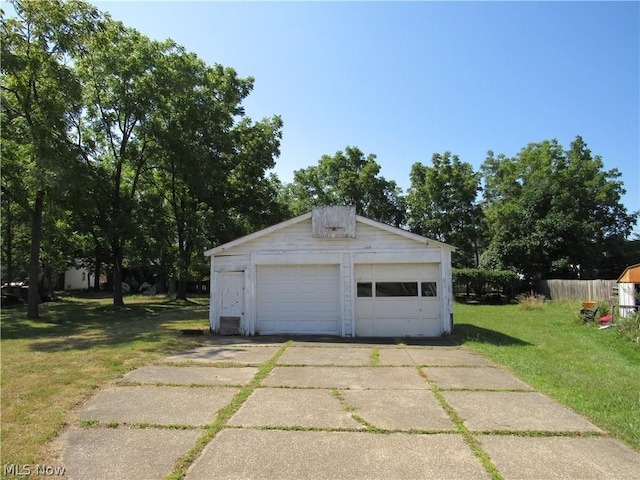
(272, 409)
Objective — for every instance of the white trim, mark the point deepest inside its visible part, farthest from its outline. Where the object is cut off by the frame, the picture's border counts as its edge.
(258, 234)
(297, 258)
(412, 256)
(427, 242)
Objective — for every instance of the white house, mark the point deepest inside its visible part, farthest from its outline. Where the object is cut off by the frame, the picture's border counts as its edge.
(332, 272)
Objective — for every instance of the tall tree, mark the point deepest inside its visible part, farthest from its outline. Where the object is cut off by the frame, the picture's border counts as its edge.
(40, 96)
(347, 178)
(551, 211)
(207, 163)
(442, 205)
(119, 75)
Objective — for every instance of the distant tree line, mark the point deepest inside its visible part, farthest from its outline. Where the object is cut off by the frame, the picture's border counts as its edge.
(121, 151)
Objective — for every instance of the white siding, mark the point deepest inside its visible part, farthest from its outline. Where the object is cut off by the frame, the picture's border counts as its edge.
(297, 237)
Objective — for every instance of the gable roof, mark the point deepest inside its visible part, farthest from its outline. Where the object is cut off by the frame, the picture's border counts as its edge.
(630, 275)
(301, 218)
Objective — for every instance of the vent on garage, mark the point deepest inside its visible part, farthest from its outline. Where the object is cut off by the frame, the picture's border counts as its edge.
(333, 221)
(229, 325)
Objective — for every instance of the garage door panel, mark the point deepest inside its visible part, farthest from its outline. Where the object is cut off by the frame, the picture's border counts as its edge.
(392, 316)
(298, 299)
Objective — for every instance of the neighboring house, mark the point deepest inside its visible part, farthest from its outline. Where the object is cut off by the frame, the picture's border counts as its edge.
(78, 279)
(332, 272)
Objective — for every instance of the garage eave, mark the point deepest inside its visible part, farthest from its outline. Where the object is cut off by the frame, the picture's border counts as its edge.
(258, 234)
(427, 242)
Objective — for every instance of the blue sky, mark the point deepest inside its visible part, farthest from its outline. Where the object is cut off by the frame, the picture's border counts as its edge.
(406, 80)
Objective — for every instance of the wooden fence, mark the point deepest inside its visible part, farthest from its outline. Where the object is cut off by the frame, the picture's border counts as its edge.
(597, 290)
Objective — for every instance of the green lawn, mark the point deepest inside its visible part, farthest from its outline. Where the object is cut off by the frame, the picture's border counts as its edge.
(592, 371)
(51, 365)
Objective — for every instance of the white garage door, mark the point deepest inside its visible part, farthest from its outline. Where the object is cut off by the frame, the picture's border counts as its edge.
(398, 300)
(298, 299)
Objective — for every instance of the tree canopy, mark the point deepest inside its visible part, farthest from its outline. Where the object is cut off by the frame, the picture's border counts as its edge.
(122, 152)
(347, 178)
(550, 212)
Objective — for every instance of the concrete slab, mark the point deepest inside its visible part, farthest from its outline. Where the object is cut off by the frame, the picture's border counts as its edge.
(385, 378)
(158, 405)
(352, 356)
(561, 457)
(399, 410)
(446, 356)
(191, 375)
(395, 357)
(515, 411)
(271, 454)
(472, 377)
(119, 453)
(251, 355)
(293, 407)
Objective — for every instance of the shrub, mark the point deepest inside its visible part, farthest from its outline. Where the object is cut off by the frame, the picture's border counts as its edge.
(530, 301)
(629, 327)
(477, 279)
(604, 308)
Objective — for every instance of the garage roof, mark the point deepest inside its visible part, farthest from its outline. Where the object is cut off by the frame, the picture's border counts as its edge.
(274, 228)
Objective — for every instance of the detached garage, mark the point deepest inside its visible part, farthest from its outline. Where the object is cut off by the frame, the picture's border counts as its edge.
(332, 272)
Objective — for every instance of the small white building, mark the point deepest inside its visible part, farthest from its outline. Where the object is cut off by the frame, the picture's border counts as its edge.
(78, 278)
(332, 272)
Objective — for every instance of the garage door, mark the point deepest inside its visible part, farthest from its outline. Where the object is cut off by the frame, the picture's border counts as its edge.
(397, 300)
(298, 299)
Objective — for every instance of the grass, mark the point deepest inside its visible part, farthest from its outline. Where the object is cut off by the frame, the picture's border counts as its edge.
(594, 372)
(460, 427)
(51, 365)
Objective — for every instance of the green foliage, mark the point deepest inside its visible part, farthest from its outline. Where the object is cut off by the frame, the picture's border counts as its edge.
(41, 98)
(628, 328)
(550, 212)
(477, 279)
(347, 178)
(442, 205)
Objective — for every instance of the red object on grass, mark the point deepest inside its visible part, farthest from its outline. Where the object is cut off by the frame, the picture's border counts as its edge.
(605, 319)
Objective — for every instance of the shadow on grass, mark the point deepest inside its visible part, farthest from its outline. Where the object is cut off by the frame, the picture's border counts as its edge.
(68, 325)
(465, 332)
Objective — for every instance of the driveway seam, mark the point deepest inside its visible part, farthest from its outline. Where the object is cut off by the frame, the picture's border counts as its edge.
(473, 442)
(223, 416)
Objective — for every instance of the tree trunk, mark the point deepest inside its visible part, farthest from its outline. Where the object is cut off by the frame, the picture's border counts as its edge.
(96, 273)
(117, 276)
(182, 290)
(8, 244)
(34, 259)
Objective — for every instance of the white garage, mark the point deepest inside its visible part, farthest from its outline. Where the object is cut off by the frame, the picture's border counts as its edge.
(332, 272)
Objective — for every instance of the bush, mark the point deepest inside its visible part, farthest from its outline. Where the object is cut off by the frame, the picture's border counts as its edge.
(530, 301)
(629, 327)
(477, 279)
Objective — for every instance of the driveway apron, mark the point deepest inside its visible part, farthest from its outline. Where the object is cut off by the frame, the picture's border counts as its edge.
(307, 410)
